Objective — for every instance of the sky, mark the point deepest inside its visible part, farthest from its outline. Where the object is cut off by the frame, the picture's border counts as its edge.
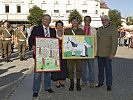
(124, 6)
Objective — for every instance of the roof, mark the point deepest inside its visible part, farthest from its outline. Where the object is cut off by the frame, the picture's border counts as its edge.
(103, 5)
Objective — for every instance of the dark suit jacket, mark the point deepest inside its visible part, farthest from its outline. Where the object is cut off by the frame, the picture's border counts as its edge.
(39, 31)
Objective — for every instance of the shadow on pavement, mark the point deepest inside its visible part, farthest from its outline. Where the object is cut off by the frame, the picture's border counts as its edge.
(15, 56)
(1, 64)
(5, 70)
(11, 77)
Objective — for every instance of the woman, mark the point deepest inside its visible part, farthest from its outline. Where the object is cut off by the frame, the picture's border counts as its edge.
(60, 77)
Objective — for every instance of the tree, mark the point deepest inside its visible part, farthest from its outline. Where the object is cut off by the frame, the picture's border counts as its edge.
(35, 16)
(76, 14)
(131, 21)
(115, 17)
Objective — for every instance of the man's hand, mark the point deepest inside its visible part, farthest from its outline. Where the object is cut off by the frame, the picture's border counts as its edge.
(111, 56)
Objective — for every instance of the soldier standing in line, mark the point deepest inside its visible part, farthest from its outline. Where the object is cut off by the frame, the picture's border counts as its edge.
(13, 39)
(7, 40)
(21, 35)
(1, 41)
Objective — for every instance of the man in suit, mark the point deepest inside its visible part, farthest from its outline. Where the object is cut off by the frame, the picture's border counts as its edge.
(107, 41)
(46, 31)
(89, 63)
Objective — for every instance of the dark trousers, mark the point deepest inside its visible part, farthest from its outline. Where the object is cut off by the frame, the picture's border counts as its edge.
(105, 62)
(72, 64)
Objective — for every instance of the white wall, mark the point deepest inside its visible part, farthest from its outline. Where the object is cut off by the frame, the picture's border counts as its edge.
(92, 6)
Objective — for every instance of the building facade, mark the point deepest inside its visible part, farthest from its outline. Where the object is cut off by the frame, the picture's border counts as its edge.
(104, 9)
(18, 10)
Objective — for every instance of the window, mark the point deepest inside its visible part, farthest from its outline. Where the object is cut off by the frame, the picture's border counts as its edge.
(44, 1)
(6, 8)
(18, 9)
(31, 1)
(56, 11)
(56, 2)
(68, 11)
(96, 11)
(84, 11)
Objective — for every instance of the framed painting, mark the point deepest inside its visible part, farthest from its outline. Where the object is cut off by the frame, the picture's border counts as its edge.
(77, 47)
(47, 55)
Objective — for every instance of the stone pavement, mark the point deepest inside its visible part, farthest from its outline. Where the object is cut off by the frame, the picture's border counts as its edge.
(12, 73)
(122, 88)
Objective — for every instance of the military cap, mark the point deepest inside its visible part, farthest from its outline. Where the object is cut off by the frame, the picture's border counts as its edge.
(5, 21)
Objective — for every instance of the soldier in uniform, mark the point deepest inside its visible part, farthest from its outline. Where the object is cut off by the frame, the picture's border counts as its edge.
(21, 35)
(7, 36)
(13, 39)
(1, 41)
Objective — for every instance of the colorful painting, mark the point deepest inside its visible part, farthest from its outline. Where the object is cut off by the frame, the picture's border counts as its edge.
(47, 57)
(77, 47)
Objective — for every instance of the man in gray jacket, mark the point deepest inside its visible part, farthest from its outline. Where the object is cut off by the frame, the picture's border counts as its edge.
(107, 41)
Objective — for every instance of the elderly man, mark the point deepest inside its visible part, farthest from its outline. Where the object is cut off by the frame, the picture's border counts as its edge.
(107, 41)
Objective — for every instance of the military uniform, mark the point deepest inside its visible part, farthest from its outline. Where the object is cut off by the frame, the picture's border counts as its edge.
(13, 39)
(7, 39)
(21, 38)
(1, 43)
(72, 62)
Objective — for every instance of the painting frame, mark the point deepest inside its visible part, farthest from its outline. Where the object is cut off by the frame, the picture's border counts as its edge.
(76, 49)
(46, 51)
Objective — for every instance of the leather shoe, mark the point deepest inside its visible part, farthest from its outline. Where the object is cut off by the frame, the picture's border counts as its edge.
(9, 60)
(58, 86)
(50, 90)
(109, 88)
(3, 56)
(62, 85)
(71, 88)
(78, 88)
(99, 85)
(35, 94)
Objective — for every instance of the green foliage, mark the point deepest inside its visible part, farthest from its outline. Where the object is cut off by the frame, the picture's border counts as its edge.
(35, 16)
(115, 17)
(76, 14)
(131, 21)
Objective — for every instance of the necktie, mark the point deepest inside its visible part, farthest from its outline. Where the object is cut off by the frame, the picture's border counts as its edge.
(46, 32)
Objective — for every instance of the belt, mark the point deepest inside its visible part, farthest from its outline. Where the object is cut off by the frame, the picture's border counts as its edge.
(7, 38)
(21, 40)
